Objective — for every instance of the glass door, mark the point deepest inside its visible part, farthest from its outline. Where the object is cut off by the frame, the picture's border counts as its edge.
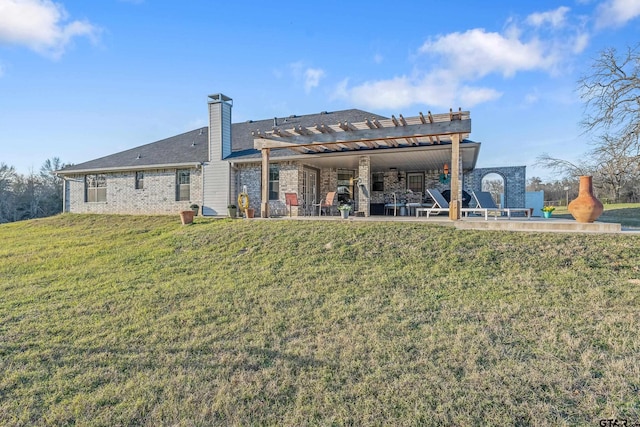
(346, 187)
(310, 188)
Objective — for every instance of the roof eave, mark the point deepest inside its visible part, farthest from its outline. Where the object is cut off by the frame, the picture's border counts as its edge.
(128, 168)
(364, 151)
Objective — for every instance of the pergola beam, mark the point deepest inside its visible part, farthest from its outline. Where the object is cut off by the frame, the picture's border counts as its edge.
(370, 134)
(435, 129)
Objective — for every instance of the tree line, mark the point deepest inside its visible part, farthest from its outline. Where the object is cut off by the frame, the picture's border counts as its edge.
(34, 195)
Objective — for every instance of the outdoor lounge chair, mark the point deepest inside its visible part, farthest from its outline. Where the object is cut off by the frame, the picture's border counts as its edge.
(440, 204)
(485, 204)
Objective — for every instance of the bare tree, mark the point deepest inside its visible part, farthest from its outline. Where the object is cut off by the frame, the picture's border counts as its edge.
(564, 168)
(618, 163)
(32, 195)
(612, 94)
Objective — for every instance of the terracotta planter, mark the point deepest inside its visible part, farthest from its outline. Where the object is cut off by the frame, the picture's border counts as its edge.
(585, 208)
(250, 212)
(186, 217)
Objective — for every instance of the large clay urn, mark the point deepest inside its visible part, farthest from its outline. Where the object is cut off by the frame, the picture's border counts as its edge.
(585, 208)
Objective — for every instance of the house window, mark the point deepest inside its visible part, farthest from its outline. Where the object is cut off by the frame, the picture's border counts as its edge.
(95, 188)
(378, 181)
(183, 184)
(274, 182)
(139, 180)
(415, 182)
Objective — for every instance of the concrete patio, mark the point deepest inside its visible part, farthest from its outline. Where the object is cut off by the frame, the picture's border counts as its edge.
(535, 224)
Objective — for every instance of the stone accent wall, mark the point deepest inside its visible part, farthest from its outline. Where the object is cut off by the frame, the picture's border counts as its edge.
(515, 183)
(249, 176)
(364, 186)
(290, 180)
(157, 197)
(328, 181)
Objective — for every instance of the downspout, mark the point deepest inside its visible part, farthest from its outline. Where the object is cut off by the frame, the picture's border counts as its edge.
(64, 194)
(202, 188)
(233, 174)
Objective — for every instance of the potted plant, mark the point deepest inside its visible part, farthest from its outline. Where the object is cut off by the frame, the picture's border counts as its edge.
(195, 208)
(186, 217)
(232, 210)
(546, 211)
(344, 210)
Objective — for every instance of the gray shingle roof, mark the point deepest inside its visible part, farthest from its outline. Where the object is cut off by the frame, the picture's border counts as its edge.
(191, 147)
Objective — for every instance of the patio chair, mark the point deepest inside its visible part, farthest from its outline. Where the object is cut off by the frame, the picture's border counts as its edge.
(485, 204)
(327, 203)
(414, 201)
(290, 200)
(392, 203)
(440, 204)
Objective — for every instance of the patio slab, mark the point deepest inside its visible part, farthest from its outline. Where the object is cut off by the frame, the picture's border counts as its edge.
(534, 224)
(540, 224)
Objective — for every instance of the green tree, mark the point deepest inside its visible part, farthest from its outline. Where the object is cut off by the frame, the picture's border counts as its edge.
(7, 177)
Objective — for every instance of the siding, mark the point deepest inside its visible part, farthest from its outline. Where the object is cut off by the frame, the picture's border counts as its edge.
(217, 171)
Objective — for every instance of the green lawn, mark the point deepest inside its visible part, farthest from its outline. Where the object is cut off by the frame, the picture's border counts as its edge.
(125, 320)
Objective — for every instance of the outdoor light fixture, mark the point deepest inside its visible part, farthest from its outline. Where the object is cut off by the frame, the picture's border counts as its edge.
(395, 171)
(444, 176)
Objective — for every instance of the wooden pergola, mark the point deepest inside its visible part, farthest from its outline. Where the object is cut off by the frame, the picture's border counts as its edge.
(370, 134)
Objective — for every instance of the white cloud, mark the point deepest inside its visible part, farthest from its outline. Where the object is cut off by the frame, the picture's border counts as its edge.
(476, 53)
(40, 25)
(456, 63)
(312, 78)
(616, 13)
(436, 89)
(555, 18)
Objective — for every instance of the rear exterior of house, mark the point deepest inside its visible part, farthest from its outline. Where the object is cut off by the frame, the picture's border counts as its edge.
(212, 165)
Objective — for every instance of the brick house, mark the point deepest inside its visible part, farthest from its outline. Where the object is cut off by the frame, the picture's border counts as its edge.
(210, 166)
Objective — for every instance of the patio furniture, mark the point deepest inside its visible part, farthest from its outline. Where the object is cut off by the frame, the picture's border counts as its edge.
(440, 204)
(327, 203)
(392, 202)
(290, 200)
(485, 204)
(414, 201)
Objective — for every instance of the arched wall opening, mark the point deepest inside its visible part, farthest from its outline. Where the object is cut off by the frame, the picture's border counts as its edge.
(514, 183)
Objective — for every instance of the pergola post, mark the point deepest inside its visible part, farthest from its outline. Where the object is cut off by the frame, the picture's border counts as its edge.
(364, 172)
(456, 194)
(264, 185)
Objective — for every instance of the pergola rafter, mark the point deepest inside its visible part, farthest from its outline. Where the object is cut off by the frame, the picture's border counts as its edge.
(370, 134)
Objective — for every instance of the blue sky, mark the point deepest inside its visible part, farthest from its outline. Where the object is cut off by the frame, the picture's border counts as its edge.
(84, 79)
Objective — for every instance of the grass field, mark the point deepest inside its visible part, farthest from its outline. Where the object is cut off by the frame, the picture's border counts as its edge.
(137, 320)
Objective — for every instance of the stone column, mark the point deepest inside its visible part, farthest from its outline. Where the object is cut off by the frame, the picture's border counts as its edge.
(456, 191)
(264, 205)
(364, 185)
